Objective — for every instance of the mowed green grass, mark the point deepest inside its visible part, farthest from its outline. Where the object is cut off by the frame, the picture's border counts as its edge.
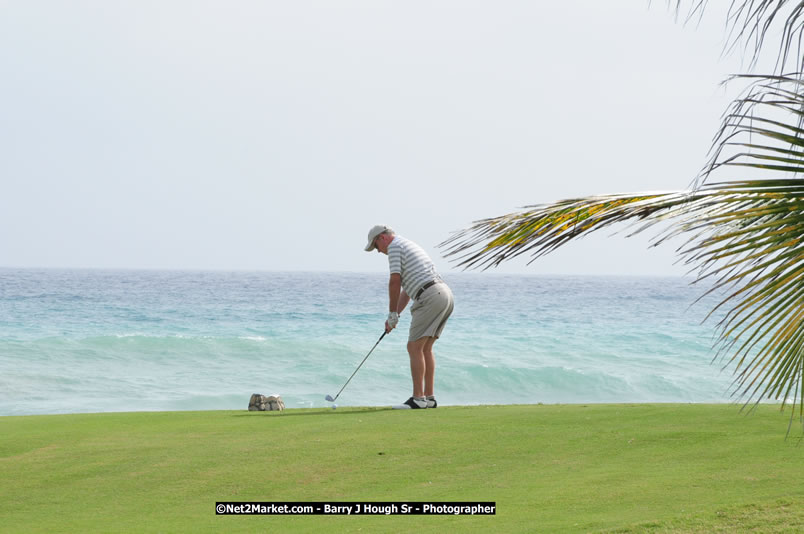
(551, 468)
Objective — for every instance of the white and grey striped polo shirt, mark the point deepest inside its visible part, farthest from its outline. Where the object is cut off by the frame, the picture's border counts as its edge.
(409, 260)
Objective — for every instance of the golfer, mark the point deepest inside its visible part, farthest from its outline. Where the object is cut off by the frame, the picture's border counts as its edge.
(413, 275)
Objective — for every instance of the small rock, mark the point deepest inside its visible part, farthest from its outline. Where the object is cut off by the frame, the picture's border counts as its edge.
(263, 403)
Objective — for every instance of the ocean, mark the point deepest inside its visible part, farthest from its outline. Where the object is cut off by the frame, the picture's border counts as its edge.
(105, 341)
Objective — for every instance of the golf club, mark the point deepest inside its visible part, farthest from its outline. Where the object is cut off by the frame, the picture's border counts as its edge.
(329, 397)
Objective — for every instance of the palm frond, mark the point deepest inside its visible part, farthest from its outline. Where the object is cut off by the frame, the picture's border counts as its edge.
(745, 236)
(542, 229)
(755, 114)
(751, 22)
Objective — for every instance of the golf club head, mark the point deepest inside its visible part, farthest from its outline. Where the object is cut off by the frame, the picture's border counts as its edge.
(329, 398)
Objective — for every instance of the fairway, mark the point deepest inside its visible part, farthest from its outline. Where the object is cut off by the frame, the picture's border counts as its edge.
(622, 468)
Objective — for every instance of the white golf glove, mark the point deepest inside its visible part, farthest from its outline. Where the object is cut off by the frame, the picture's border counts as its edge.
(393, 319)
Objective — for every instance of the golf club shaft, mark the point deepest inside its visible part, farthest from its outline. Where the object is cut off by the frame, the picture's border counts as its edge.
(359, 366)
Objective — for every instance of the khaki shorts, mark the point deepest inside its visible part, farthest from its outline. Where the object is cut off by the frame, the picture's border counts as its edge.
(430, 312)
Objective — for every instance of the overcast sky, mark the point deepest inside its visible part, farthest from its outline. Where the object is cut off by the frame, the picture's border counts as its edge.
(272, 135)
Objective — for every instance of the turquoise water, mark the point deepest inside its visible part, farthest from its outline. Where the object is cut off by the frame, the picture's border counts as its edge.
(95, 341)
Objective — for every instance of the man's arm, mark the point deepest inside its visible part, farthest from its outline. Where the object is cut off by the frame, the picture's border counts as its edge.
(403, 301)
(394, 290)
(396, 297)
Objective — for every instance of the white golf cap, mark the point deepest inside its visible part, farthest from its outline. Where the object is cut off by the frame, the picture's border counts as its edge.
(374, 232)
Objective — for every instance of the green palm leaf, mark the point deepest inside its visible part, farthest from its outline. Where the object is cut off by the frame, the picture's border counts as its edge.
(745, 236)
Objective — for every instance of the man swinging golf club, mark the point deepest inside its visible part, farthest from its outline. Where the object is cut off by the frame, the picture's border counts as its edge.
(413, 275)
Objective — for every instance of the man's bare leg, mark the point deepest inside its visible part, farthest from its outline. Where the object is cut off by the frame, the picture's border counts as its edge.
(429, 366)
(418, 365)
